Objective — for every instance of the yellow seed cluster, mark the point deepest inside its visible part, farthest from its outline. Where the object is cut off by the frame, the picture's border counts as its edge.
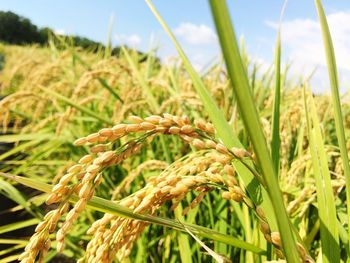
(39, 243)
(168, 186)
(210, 165)
(113, 235)
(10, 102)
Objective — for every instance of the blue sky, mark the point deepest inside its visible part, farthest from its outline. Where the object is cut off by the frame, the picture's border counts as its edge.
(191, 22)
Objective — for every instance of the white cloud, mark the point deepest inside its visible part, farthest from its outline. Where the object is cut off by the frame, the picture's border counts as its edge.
(196, 34)
(199, 61)
(59, 31)
(133, 40)
(302, 40)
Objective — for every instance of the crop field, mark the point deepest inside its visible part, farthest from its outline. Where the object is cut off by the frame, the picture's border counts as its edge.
(109, 158)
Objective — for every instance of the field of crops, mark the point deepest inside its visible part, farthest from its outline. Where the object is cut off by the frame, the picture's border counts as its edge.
(123, 159)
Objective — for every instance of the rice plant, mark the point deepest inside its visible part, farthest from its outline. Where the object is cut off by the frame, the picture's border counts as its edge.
(124, 159)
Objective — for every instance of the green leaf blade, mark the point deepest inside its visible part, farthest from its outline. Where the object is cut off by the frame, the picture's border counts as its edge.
(338, 116)
(242, 90)
(107, 206)
(325, 197)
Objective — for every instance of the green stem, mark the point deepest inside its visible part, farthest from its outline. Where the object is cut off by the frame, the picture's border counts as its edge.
(251, 121)
(338, 116)
(107, 206)
(275, 140)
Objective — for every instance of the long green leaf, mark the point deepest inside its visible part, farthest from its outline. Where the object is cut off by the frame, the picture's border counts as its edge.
(19, 148)
(218, 258)
(13, 241)
(229, 138)
(18, 225)
(275, 135)
(107, 206)
(145, 88)
(25, 137)
(242, 90)
(338, 116)
(11, 258)
(12, 193)
(10, 250)
(110, 89)
(183, 239)
(325, 197)
(224, 130)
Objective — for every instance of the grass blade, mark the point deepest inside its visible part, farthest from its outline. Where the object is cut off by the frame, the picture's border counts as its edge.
(325, 197)
(107, 206)
(152, 100)
(13, 241)
(11, 258)
(218, 258)
(338, 116)
(275, 135)
(25, 137)
(19, 148)
(11, 249)
(250, 117)
(257, 192)
(110, 89)
(18, 225)
(12, 193)
(224, 130)
(183, 239)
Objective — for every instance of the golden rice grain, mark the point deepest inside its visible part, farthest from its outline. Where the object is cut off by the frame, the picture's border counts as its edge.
(80, 141)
